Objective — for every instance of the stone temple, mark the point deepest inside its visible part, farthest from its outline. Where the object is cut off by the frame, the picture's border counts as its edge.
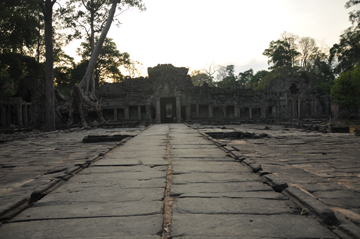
(167, 95)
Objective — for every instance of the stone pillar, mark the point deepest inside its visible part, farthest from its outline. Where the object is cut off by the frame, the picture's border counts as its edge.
(315, 113)
(236, 111)
(299, 108)
(126, 113)
(19, 114)
(158, 111)
(178, 109)
(3, 115)
(139, 112)
(148, 112)
(25, 115)
(197, 111)
(263, 112)
(211, 112)
(224, 111)
(115, 114)
(188, 112)
(250, 112)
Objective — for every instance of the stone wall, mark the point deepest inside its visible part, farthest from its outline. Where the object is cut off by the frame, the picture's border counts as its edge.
(170, 89)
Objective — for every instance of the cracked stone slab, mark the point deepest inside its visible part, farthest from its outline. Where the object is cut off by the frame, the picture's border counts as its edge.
(145, 227)
(210, 167)
(117, 183)
(230, 206)
(42, 211)
(248, 226)
(102, 195)
(256, 194)
(219, 187)
(213, 177)
(133, 161)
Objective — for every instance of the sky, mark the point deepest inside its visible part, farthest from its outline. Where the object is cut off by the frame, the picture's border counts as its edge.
(195, 33)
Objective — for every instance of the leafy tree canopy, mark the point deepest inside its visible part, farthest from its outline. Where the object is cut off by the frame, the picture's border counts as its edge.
(346, 90)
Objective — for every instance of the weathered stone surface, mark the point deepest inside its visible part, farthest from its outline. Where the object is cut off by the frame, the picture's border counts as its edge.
(219, 187)
(247, 226)
(232, 206)
(102, 227)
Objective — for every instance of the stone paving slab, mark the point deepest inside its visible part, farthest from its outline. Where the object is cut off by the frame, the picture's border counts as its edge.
(223, 199)
(230, 206)
(106, 200)
(180, 167)
(91, 208)
(247, 226)
(219, 187)
(117, 227)
(30, 163)
(213, 178)
(120, 195)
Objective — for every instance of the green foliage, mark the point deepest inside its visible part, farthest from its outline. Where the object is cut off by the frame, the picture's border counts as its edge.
(285, 71)
(354, 16)
(347, 52)
(199, 78)
(108, 63)
(19, 24)
(229, 80)
(244, 78)
(14, 66)
(257, 79)
(346, 90)
(280, 54)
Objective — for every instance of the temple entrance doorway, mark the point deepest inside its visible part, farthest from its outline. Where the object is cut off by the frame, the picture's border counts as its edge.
(168, 109)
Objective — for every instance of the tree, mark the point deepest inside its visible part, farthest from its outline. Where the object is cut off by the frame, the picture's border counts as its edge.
(199, 78)
(347, 52)
(229, 81)
(19, 25)
(244, 78)
(354, 16)
(291, 46)
(307, 47)
(257, 78)
(278, 54)
(346, 90)
(47, 10)
(83, 96)
(210, 69)
(109, 61)
(133, 68)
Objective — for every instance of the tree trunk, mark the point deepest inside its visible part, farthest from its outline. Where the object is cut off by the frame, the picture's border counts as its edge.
(49, 81)
(83, 96)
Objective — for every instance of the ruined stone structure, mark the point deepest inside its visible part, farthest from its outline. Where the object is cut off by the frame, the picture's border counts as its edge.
(168, 95)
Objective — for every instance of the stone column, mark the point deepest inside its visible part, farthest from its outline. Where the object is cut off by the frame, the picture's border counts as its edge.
(236, 111)
(139, 112)
(8, 115)
(299, 108)
(25, 115)
(224, 111)
(211, 113)
(197, 111)
(115, 114)
(178, 109)
(19, 114)
(250, 112)
(3, 115)
(126, 113)
(263, 112)
(148, 112)
(188, 112)
(158, 111)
